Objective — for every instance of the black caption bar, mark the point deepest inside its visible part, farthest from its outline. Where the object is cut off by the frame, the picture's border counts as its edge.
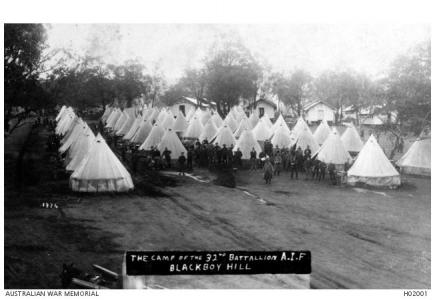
(217, 262)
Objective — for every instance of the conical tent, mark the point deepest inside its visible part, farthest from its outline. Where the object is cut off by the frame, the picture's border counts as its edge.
(76, 144)
(351, 139)
(180, 124)
(232, 124)
(303, 139)
(121, 120)
(417, 159)
(209, 131)
(300, 125)
(243, 125)
(194, 129)
(168, 122)
(77, 124)
(281, 137)
(154, 138)
(246, 142)
(253, 119)
(322, 132)
(205, 116)
(113, 117)
(279, 121)
(267, 121)
(171, 141)
(190, 114)
(126, 127)
(142, 133)
(224, 136)
(81, 149)
(66, 123)
(261, 131)
(101, 171)
(78, 131)
(333, 152)
(217, 120)
(106, 113)
(59, 115)
(372, 167)
(133, 129)
(162, 116)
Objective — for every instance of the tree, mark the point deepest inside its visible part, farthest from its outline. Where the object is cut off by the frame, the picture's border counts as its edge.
(194, 83)
(231, 75)
(408, 87)
(343, 88)
(293, 89)
(23, 45)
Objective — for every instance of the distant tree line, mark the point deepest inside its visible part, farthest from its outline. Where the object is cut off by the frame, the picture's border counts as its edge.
(230, 74)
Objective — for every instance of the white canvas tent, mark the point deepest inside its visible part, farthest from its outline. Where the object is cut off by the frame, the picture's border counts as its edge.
(142, 133)
(133, 129)
(232, 124)
(351, 139)
(209, 131)
(244, 124)
(194, 129)
(253, 119)
(217, 120)
(416, 160)
(126, 126)
(322, 132)
(372, 167)
(101, 171)
(180, 124)
(80, 150)
(333, 152)
(300, 126)
(224, 136)
(303, 139)
(261, 131)
(154, 138)
(267, 121)
(246, 142)
(171, 141)
(281, 137)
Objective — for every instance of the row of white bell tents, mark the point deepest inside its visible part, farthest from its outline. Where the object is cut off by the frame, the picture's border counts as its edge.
(95, 168)
(334, 149)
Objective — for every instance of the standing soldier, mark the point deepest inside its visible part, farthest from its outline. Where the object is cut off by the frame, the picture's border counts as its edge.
(307, 152)
(190, 158)
(278, 163)
(268, 171)
(181, 163)
(224, 154)
(167, 156)
(238, 157)
(293, 165)
(253, 159)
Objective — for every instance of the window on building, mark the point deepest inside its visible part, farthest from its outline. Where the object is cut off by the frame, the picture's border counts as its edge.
(261, 111)
(182, 109)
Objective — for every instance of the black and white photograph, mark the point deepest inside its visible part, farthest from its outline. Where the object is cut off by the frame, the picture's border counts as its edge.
(185, 155)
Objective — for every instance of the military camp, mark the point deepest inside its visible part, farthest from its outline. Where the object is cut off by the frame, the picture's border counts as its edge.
(226, 155)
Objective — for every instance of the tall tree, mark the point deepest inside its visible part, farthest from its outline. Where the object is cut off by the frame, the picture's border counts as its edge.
(292, 90)
(409, 86)
(23, 46)
(231, 75)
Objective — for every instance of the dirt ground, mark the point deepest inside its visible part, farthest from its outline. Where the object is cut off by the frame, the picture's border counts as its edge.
(358, 238)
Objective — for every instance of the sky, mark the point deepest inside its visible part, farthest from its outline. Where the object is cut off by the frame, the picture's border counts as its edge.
(365, 48)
